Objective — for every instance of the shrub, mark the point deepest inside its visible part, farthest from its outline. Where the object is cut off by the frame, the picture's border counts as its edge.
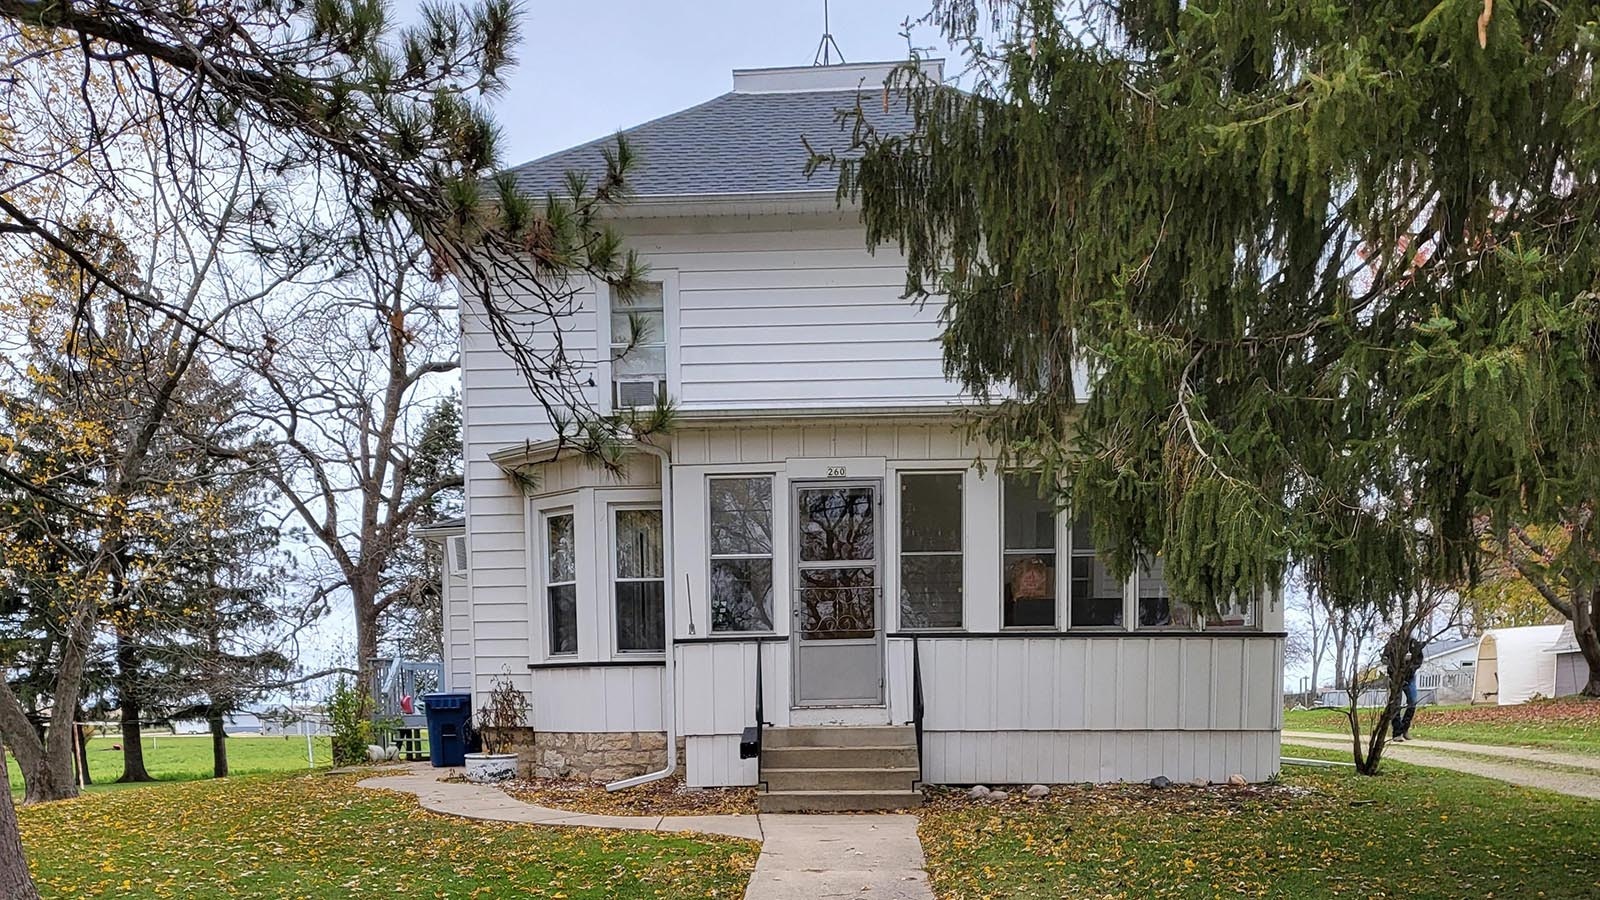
(350, 715)
(506, 710)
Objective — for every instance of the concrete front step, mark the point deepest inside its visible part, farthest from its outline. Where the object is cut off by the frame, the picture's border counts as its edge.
(891, 778)
(840, 736)
(836, 801)
(837, 757)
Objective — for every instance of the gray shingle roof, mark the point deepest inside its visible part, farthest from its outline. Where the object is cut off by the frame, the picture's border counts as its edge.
(1438, 648)
(738, 143)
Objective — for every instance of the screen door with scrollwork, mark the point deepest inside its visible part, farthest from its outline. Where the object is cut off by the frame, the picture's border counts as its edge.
(838, 636)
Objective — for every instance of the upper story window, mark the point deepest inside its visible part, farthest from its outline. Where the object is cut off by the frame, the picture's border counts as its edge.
(637, 581)
(930, 550)
(740, 553)
(561, 582)
(1096, 593)
(1028, 539)
(639, 348)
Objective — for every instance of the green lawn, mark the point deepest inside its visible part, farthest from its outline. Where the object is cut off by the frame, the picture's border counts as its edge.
(1571, 724)
(320, 836)
(187, 757)
(1410, 832)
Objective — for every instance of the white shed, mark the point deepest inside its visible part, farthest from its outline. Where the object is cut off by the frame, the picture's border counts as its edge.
(1513, 665)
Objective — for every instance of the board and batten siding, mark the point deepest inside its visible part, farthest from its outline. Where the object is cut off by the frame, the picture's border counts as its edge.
(1128, 707)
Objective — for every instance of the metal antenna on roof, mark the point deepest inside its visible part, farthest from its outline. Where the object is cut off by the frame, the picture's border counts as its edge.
(828, 46)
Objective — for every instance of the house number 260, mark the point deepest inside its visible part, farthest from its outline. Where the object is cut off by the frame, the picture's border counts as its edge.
(836, 471)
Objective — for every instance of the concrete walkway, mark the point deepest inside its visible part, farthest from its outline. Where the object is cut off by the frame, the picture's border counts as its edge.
(871, 857)
(1452, 755)
(490, 804)
(867, 857)
(1524, 754)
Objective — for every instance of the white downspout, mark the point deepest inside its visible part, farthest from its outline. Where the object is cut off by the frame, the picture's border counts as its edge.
(670, 712)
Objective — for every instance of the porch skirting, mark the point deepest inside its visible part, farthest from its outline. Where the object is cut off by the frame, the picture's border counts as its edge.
(1066, 757)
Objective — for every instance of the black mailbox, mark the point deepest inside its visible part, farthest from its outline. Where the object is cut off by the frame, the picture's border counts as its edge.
(750, 743)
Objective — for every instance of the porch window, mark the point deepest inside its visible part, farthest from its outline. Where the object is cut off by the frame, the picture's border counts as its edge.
(741, 553)
(1157, 607)
(1028, 539)
(1096, 594)
(930, 550)
(638, 581)
(639, 348)
(1239, 614)
(561, 582)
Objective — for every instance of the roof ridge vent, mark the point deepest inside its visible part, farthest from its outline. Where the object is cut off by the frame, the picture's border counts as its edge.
(842, 76)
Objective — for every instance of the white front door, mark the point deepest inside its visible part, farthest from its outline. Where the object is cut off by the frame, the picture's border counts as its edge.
(838, 622)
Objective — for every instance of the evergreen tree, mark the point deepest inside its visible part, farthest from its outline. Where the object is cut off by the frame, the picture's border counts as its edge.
(413, 624)
(1330, 270)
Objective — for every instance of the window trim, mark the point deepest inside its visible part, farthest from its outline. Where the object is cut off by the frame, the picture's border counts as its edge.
(605, 378)
(546, 582)
(711, 556)
(900, 552)
(1056, 588)
(613, 579)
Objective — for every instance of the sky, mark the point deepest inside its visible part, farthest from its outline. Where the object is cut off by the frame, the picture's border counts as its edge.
(588, 69)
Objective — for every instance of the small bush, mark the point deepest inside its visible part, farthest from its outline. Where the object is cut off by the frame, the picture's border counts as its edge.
(506, 711)
(350, 715)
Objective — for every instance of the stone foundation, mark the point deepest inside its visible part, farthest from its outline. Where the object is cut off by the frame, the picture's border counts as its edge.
(591, 756)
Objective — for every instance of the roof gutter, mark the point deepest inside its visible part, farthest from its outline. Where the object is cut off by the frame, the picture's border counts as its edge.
(669, 712)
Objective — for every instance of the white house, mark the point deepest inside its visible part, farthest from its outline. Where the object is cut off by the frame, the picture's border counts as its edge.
(1446, 673)
(816, 525)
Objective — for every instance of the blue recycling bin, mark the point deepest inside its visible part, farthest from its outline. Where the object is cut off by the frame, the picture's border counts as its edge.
(449, 715)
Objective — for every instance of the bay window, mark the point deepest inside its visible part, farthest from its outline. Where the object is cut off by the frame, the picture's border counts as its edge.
(638, 573)
(561, 582)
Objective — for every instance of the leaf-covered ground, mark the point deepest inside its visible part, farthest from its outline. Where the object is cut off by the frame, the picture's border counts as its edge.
(667, 797)
(319, 836)
(1570, 724)
(1409, 833)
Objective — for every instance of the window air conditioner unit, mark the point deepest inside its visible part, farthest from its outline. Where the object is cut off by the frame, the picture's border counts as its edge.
(636, 394)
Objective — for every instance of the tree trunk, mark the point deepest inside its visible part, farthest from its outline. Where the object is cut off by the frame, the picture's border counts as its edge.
(16, 883)
(83, 748)
(133, 769)
(219, 742)
(364, 599)
(1586, 629)
(46, 774)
